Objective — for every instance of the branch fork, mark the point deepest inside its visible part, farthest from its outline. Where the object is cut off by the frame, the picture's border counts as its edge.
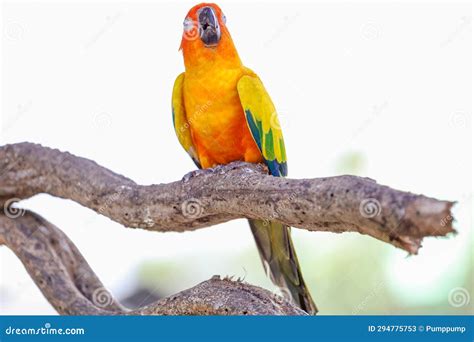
(200, 199)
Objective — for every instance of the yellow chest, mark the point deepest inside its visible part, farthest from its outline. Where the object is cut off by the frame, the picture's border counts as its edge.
(216, 117)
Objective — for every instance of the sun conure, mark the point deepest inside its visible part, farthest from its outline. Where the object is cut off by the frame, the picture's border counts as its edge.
(222, 113)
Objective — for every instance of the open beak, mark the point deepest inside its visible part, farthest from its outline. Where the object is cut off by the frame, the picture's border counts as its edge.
(209, 29)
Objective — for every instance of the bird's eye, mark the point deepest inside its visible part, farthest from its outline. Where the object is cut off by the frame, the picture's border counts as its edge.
(224, 19)
(188, 24)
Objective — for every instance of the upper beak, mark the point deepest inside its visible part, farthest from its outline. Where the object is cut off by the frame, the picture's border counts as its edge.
(209, 29)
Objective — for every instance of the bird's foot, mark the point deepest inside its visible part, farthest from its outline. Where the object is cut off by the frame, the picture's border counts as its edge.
(193, 174)
(221, 169)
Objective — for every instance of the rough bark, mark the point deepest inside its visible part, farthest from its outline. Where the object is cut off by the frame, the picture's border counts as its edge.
(71, 287)
(207, 197)
(201, 199)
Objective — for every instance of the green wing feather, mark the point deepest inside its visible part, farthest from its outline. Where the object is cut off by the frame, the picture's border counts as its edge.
(263, 123)
(273, 238)
(180, 122)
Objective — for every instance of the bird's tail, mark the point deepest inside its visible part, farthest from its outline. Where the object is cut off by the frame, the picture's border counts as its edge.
(280, 262)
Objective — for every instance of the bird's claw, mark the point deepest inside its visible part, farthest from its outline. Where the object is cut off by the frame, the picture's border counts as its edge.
(218, 169)
(193, 174)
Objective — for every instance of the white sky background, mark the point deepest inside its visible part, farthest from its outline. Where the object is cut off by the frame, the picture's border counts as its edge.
(390, 81)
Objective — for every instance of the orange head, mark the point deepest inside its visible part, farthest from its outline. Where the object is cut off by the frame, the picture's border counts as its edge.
(205, 37)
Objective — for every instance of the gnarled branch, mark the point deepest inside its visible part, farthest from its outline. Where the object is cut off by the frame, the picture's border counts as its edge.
(208, 197)
(72, 288)
(202, 198)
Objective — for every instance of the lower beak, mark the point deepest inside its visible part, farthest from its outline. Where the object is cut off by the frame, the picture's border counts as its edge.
(209, 29)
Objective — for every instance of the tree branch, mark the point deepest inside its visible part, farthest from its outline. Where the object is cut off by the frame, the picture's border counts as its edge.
(69, 284)
(202, 198)
(208, 197)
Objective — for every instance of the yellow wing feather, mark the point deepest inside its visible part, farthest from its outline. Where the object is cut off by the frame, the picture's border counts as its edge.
(263, 122)
(180, 122)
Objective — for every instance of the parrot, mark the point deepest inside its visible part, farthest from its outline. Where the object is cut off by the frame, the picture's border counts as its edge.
(222, 113)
